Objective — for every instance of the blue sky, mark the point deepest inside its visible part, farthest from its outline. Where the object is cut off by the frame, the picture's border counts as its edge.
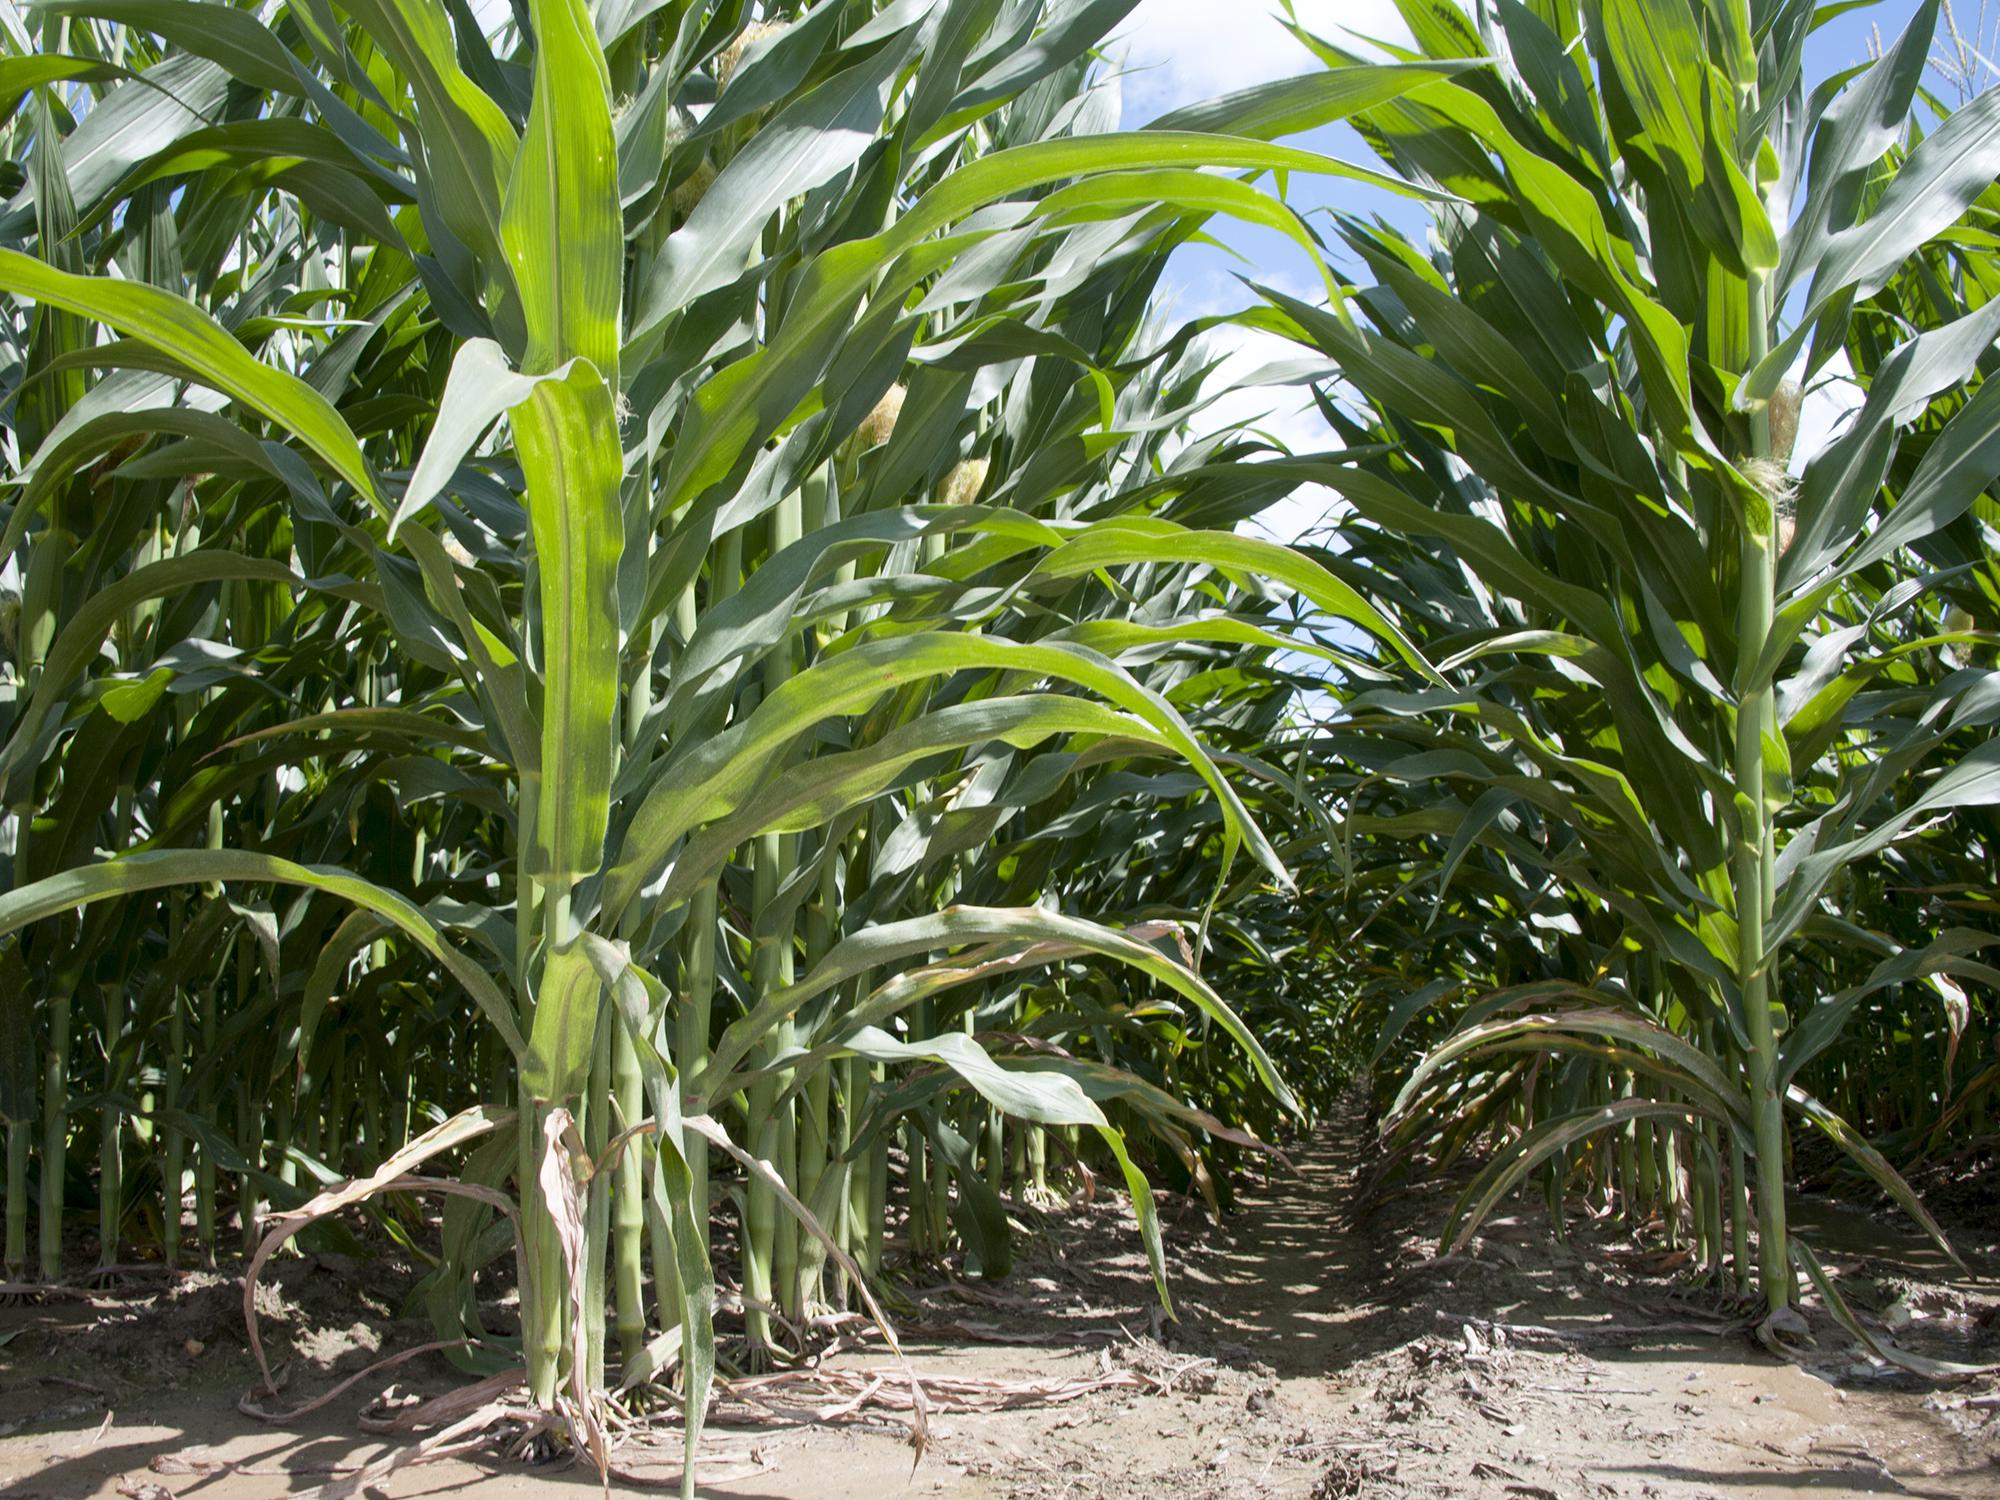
(1179, 51)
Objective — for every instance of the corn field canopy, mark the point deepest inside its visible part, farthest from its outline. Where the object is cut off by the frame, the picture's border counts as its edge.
(630, 648)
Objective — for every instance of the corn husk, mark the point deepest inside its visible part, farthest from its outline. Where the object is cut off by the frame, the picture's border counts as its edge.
(963, 484)
(1784, 420)
(691, 189)
(880, 423)
(1781, 490)
(731, 57)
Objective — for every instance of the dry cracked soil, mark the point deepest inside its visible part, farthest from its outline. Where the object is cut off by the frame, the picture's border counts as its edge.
(1322, 1349)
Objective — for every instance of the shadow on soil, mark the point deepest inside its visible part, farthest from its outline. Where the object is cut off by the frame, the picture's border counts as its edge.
(1320, 1352)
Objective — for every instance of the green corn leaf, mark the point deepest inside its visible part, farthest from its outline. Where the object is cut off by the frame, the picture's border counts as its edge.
(567, 1002)
(560, 223)
(151, 871)
(20, 74)
(175, 326)
(1047, 1098)
(713, 779)
(566, 433)
(1873, 1162)
(138, 118)
(81, 638)
(1290, 106)
(233, 38)
(464, 136)
(1510, 1166)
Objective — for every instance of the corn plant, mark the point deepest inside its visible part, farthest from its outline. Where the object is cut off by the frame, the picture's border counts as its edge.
(625, 521)
(1574, 411)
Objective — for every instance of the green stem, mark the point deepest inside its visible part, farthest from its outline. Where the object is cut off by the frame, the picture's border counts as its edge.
(629, 1226)
(1628, 1158)
(19, 1136)
(597, 1202)
(55, 1132)
(763, 1228)
(546, 1286)
(692, 1023)
(919, 1168)
(173, 1144)
(875, 1209)
(815, 1109)
(774, 1124)
(628, 1206)
(853, 1233)
(1754, 852)
(249, 1111)
(545, 1298)
(814, 1135)
(1670, 1184)
(110, 1122)
(693, 1030)
(205, 1185)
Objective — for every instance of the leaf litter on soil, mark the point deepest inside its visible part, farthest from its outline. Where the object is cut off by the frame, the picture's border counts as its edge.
(1324, 1350)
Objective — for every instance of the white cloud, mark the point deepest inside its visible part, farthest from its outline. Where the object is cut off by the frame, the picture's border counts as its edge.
(1286, 411)
(1829, 400)
(1283, 412)
(1201, 283)
(1179, 51)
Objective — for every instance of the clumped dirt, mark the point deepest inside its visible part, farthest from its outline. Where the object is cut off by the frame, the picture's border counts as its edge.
(1320, 1353)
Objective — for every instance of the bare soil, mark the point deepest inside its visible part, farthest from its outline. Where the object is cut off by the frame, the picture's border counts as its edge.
(1317, 1355)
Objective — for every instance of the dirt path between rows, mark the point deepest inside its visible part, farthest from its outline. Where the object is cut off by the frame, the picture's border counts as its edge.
(1314, 1357)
